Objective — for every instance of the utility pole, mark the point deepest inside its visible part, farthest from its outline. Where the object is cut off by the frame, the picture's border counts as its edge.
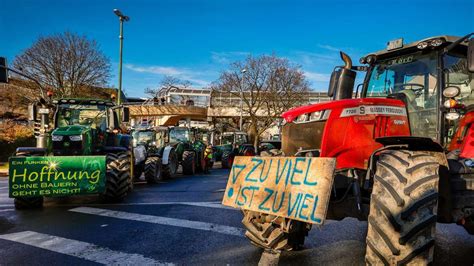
(241, 97)
(122, 18)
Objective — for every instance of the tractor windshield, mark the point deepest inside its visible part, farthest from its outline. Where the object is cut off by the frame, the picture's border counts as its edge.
(241, 138)
(143, 137)
(414, 76)
(77, 114)
(456, 74)
(179, 135)
(227, 139)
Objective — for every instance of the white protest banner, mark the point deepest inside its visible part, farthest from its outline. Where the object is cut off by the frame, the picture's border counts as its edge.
(294, 187)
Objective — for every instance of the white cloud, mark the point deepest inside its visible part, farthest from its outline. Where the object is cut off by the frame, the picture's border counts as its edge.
(227, 57)
(329, 47)
(316, 77)
(162, 70)
(195, 77)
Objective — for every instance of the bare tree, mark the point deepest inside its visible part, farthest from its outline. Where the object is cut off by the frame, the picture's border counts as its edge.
(269, 86)
(65, 63)
(167, 82)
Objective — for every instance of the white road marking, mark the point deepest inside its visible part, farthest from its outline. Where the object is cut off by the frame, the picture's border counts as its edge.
(223, 229)
(79, 249)
(7, 210)
(6, 205)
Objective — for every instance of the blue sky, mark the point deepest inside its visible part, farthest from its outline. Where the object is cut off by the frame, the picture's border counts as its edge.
(197, 39)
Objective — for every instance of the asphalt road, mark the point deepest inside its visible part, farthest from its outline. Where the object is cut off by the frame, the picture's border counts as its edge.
(179, 221)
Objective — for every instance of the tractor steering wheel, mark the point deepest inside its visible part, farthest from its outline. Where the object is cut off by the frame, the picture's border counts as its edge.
(415, 87)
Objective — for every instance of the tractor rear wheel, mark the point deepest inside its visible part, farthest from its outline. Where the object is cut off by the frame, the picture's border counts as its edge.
(153, 170)
(227, 159)
(169, 170)
(117, 184)
(189, 164)
(403, 206)
(28, 203)
(272, 232)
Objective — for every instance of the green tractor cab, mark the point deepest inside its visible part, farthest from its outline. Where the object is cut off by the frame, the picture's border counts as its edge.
(189, 146)
(232, 144)
(147, 161)
(153, 144)
(84, 153)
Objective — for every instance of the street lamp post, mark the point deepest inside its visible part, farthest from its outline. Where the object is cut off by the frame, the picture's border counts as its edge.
(122, 18)
(241, 97)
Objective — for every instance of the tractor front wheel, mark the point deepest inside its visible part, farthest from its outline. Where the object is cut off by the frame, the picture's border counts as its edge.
(169, 170)
(272, 232)
(28, 203)
(118, 180)
(227, 159)
(153, 170)
(189, 164)
(402, 218)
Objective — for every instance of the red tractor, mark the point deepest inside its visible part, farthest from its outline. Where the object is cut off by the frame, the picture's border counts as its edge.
(404, 149)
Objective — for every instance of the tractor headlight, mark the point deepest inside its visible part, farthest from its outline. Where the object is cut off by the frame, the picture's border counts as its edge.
(451, 92)
(452, 116)
(436, 42)
(75, 138)
(56, 138)
(422, 45)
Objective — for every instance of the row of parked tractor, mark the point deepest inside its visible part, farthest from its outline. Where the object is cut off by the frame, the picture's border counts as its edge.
(159, 151)
(82, 147)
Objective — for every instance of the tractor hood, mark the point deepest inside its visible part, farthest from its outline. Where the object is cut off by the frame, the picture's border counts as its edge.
(339, 105)
(71, 130)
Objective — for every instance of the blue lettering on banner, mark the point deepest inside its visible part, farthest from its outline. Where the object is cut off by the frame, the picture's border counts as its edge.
(253, 178)
(268, 171)
(278, 173)
(306, 182)
(270, 193)
(295, 204)
(255, 166)
(275, 200)
(304, 206)
(236, 175)
(296, 171)
(314, 219)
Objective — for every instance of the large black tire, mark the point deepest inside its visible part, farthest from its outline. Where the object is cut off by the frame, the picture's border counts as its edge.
(272, 232)
(227, 159)
(153, 170)
(403, 206)
(118, 180)
(28, 203)
(138, 171)
(169, 170)
(188, 163)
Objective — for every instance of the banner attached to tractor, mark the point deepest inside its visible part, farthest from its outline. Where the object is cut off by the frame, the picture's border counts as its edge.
(294, 187)
(56, 176)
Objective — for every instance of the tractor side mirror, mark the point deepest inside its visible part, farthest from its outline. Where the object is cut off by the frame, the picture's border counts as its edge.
(32, 113)
(470, 55)
(341, 83)
(126, 115)
(3, 70)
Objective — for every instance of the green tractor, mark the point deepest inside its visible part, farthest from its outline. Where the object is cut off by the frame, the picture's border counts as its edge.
(159, 160)
(189, 147)
(84, 153)
(145, 152)
(232, 144)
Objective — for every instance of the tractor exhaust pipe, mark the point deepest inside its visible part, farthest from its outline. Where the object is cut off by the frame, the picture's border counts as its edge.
(342, 80)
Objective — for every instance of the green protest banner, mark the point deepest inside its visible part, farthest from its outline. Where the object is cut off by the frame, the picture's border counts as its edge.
(56, 176)
(293, 187)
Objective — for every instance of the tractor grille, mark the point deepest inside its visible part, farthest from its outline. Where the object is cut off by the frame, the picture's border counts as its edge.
(67, 147)
(305, 136)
